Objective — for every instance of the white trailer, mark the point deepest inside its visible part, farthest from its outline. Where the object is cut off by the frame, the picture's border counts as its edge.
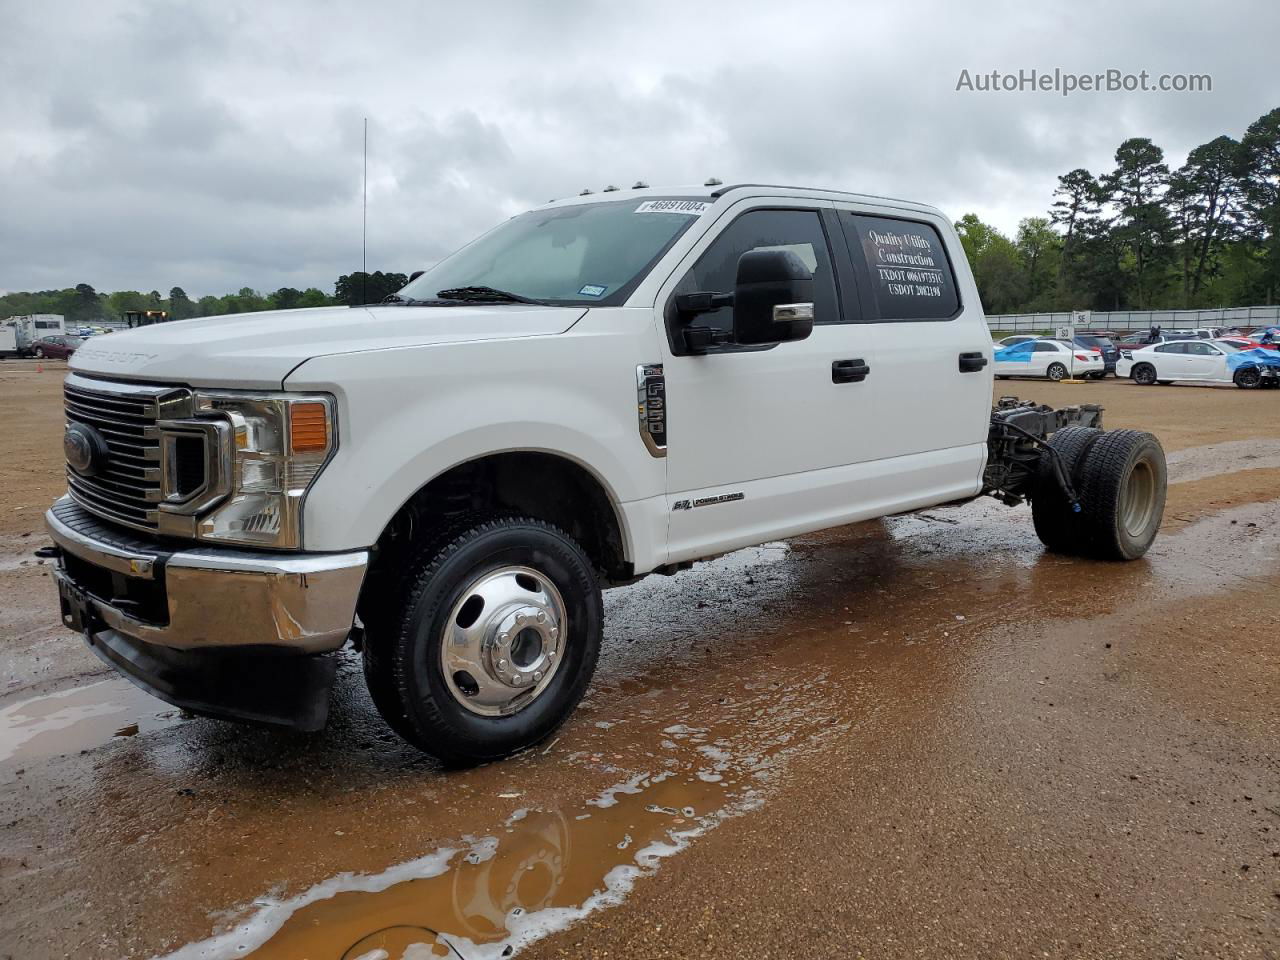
(9, 342)
(47, 325)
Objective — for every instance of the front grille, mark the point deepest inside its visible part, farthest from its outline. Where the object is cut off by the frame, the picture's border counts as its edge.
(126, 488)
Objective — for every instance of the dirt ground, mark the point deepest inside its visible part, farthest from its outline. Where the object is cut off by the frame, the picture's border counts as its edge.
(920, 737)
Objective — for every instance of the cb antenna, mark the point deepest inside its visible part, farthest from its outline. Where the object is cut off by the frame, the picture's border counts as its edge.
(364, 221)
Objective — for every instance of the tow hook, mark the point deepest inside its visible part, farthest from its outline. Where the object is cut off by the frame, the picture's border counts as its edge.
(48, 553)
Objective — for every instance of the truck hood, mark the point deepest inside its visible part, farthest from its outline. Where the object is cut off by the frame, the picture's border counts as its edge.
(257, 350)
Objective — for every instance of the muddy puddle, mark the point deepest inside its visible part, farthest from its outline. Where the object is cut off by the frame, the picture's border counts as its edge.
(906, 608)
(79, 718)
(543, 869)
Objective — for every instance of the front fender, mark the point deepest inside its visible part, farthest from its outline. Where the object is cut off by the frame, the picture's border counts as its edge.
(407, 416)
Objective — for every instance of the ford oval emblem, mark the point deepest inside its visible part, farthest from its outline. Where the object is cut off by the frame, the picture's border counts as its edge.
(85, 449)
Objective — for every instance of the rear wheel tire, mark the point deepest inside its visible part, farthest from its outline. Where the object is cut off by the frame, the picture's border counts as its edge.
(1056, 372)
(1144, 374)
(1057, 525)
(1122, 492)
(39, 354)
(489, 640)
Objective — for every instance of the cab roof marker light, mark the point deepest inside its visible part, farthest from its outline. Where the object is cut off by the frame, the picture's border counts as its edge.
(713, 182)
(639, 185)
(611, 188)
(586, 192)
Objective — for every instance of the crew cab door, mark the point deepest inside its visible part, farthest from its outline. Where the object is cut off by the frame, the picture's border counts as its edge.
(933, 349)
(760, 440)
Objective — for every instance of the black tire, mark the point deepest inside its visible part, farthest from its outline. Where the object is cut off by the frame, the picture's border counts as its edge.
(39, 353)
(1057, 525)
(1164, 383)
(403, 663)
(1056, 372)
(379, 612)
(1144, 375)
(1122, 490)
(1248, 378)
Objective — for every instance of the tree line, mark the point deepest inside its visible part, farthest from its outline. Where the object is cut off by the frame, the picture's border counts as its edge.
(1142, 236)
(82, 304)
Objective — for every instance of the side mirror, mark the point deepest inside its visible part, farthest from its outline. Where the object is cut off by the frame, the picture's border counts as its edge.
(773, 298)
(415, 275)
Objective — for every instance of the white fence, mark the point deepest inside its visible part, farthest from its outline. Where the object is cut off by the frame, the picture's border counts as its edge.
(1118, 320)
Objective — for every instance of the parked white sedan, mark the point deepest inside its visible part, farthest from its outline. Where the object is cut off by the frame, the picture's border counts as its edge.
(1214, 361)
(1054, 359)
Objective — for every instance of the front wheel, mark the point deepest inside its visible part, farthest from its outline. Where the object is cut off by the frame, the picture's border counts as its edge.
(491, 641)
(1248, 378)
(39, 354)
(1056, 372)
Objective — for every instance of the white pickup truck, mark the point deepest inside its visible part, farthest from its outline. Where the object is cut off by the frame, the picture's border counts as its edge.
(604, 387)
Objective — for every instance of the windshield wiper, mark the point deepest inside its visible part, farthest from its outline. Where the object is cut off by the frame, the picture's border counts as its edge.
(486, 295)
(397, 300)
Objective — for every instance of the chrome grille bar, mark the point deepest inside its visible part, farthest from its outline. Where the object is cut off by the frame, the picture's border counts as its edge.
(127, 489)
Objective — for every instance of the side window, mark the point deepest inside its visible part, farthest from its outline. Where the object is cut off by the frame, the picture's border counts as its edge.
(1201, 349)
(1177, 346)
(799, 231)
(1046, 347)
(908, 266)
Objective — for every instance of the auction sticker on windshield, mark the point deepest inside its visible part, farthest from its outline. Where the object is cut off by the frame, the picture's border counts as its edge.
(692, 208)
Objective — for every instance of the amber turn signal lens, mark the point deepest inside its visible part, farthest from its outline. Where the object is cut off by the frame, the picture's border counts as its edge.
(308, 428)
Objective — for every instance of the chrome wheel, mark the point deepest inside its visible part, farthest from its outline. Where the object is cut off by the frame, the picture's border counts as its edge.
(503, 641)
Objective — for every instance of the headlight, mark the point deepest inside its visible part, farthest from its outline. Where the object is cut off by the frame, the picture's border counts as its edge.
(279, 444)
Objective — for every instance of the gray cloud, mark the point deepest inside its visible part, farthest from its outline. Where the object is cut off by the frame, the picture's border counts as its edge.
(217, 145)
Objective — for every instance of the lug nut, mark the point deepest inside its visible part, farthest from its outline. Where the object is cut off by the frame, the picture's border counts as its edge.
(551, 653)
(503, 638)
(537, 674)
(502, 664)
(542, 617)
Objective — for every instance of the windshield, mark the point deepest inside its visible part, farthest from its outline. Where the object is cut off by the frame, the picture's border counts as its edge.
(594, 253)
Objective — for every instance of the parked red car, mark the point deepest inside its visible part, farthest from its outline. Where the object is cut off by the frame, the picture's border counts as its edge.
(55, 348)
(1249, 343)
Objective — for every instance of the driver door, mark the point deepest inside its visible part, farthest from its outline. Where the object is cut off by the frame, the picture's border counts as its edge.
(761, 439)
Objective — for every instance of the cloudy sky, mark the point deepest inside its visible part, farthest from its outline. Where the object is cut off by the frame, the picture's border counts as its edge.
(215, 145)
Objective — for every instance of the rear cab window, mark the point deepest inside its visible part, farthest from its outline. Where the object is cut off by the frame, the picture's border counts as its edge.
(905, 266)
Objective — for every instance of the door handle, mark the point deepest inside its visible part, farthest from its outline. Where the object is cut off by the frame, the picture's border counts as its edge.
(972, 362)
(849, 371)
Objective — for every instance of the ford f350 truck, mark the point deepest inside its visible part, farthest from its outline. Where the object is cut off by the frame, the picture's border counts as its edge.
(605, 387)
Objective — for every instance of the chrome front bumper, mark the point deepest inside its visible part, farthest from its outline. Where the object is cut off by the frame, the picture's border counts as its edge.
(201, 599)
